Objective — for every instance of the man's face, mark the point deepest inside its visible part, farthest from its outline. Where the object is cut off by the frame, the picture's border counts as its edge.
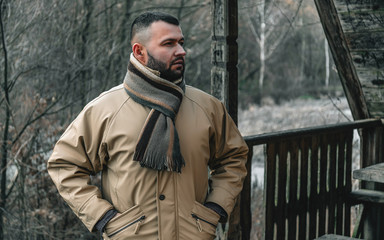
(164, 50)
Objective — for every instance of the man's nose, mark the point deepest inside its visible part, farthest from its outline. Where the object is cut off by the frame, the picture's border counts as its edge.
(180, 50)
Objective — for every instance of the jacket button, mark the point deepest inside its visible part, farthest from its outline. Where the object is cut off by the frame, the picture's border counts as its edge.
(161, 197)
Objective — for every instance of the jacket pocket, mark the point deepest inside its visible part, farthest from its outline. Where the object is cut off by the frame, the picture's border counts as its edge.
(205, 218)
(126, 225)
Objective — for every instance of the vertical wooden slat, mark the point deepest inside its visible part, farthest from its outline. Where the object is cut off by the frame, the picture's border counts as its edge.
(245, 200)
(293, 184)
(332, 195)
(313, 201)
(303, 199)
(340, 187)
(281, 210)
(348, 181)
(270, 188)
(323, 183)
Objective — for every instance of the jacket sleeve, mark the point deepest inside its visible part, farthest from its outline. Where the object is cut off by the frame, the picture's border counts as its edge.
(228, 161)
(77, 155)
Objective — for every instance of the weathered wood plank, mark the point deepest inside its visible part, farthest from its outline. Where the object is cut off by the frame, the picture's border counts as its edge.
(334, 237)
(323, 195)
(281, 210)
(374, 96)
(373, 173)
(347, 178)
(376, 109)
(293, 186)
(270, 189)
(375, 99)
(369, 67)
(371, 78)
(367, 196)
(332, 172)
(359, 5)
(314, 185)
(340, 183)
(303, 198)
(369, 41)
(368, 59)
(245, 199)
(366, 21)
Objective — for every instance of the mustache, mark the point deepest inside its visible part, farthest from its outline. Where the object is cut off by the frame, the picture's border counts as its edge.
(178, 59)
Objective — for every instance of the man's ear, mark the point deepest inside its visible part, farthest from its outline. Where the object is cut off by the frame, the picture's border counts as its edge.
(139, 52)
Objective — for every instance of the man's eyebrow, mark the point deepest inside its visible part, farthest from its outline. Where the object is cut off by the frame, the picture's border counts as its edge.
(173, 40)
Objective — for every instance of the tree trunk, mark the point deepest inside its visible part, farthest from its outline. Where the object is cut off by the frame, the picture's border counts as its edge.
(326, 50)
(84, 39)
(261, 9)
(4, 147)
(302, 59)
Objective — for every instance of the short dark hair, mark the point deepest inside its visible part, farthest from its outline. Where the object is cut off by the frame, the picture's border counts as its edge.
(144, 20)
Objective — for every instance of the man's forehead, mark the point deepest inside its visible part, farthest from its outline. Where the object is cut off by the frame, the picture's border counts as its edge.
(163, 30)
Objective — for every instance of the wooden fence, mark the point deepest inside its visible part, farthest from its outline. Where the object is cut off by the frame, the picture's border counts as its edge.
(307, 181)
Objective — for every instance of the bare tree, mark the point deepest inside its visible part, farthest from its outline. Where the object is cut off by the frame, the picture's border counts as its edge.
(270, 17)
(5, 139)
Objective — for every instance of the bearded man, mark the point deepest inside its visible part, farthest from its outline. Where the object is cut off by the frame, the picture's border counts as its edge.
(154, 139)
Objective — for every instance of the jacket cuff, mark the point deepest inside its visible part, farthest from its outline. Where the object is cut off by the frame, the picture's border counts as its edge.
(100, 225)
(218, 209)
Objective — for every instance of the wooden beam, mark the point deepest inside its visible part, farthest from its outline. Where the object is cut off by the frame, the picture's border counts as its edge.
(343, 60)
(224, 86)
(224, 54)
(367, 196)
(372, 152)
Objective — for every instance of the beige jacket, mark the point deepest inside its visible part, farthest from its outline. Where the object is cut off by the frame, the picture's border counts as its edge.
(154, 204)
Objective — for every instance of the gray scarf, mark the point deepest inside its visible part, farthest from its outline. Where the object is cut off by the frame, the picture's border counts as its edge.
(158, 144)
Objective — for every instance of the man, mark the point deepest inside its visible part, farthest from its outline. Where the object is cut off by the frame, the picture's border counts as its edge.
(153, 138)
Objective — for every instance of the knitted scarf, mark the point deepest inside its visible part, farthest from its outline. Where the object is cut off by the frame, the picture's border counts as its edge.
(158, 144)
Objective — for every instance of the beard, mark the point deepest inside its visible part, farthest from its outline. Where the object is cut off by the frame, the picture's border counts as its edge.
(166, 73)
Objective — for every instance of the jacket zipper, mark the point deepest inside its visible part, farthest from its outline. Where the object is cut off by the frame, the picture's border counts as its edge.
(199, 227)
(139, 221)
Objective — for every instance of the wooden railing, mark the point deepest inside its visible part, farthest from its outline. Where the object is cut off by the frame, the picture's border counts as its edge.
(307, 181)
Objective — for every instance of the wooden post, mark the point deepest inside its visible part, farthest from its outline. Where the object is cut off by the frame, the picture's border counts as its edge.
(224, 86)
(372, 152)
(224, 54)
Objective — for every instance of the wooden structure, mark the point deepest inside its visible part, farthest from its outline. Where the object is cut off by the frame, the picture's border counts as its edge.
(224, 54)
(355, 33)
(334, 237)
(308, 180)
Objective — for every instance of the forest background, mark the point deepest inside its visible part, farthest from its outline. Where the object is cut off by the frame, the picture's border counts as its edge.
(58, 55)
